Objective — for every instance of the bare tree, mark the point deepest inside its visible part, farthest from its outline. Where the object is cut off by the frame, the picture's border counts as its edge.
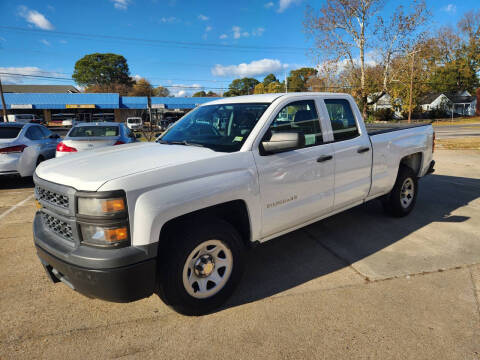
(341, 29)
(396, 33)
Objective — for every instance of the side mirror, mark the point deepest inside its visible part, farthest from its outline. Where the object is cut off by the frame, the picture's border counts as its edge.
(137, 136)
(283, 141)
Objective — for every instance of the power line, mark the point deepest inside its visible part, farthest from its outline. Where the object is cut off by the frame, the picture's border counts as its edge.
(70, 79)
(171, 43)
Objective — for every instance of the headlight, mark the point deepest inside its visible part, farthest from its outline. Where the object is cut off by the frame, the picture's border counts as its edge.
(100, 207)
(103, 218)
(103, 235)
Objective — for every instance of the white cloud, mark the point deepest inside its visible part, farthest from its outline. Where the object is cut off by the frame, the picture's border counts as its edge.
(179, 90)
(35, 18)
(203, 17)
(63, 41)
(450, 8)
(238, 33)
(255, 68)
(258, 31)
(223, 36)
(269, 4)
(121, 4)
(45, 42)
(208, 28)
(168, 20)
(284, 4)
(27, 70)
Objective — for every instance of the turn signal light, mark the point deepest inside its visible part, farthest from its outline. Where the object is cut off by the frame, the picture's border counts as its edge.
(115, 235)
(13, 149)
(61, 147)
(113, 205)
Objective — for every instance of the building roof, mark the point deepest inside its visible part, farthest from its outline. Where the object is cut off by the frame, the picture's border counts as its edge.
(60, 101)
(133, 102)
(454, 97)
(58, 89)
(180, 102)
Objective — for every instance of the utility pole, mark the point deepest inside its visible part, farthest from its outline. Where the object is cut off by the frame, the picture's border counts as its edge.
(4, 106)
(286, 83)
(411, 87)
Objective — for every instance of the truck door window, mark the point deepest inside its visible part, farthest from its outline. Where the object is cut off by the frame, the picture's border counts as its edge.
(299, 116)
(341, 116)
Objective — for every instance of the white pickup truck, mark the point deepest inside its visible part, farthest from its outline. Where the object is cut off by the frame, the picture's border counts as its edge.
(175, 217)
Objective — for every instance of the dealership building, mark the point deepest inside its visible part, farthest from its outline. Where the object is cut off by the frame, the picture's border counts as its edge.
(96, 107)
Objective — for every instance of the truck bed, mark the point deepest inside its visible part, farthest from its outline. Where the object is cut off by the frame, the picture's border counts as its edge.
(375, 129)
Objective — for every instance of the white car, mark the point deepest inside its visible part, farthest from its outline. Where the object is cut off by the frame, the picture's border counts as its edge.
(177, 216)
(25, 118)
(134, 123)
(90, 136)
(24, 146)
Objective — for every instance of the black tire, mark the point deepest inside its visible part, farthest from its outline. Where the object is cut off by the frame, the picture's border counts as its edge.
(395, 203)
(181, 241)
(39, 160)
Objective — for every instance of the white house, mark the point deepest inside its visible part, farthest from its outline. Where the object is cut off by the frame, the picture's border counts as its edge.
(385, 102)
(461, 102)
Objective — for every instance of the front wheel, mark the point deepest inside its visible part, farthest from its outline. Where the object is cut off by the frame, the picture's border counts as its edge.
(401, 200)
(200, 267)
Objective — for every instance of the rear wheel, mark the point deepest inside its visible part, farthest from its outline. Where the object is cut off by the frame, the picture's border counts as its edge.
(401, 200)
(200, 266)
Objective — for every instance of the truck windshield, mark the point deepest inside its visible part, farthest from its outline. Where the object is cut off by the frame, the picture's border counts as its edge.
(223, 127)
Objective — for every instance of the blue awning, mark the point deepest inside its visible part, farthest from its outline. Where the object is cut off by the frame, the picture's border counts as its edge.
(133, 102)
(60, 101)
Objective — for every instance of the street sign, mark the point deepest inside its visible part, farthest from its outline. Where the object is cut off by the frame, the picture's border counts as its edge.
(21, 106)
(80, 106)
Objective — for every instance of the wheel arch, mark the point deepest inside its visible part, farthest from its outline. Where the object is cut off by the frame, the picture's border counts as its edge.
(234, 212)
(413, 161)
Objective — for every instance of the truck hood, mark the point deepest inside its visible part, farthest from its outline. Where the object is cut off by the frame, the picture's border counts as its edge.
(91, 169)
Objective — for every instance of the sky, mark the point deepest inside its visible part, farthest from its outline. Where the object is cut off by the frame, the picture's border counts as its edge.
(186, 45)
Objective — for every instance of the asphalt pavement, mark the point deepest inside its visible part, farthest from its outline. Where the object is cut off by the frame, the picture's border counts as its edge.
(359, 285)
(457, 131)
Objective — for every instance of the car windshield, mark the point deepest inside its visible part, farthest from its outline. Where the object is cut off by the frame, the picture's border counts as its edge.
(93, 131)
(223, 127)
(9, 132)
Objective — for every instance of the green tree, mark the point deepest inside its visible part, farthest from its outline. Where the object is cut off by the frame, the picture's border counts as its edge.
(275, 87)
(297, 80)
(244, 86)
(161, 91)
(259, 89)
(212, 94)
(142, 87)
(270, 78)
(102, 69)
(200, 94)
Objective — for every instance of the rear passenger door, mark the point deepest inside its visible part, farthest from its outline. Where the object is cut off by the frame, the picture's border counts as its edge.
(352, 153)
(296, 185)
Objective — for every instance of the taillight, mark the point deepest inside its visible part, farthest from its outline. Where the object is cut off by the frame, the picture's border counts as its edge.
(433, 143)
(13, 149)
(119, 142)
(61, 147)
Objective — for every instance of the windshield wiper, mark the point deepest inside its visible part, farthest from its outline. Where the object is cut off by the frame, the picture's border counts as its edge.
(184, 142)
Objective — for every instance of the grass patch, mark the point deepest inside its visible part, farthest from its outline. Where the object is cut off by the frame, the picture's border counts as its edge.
(466, 143)
(457, 121)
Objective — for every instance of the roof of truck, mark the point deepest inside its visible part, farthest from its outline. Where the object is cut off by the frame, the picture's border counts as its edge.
(266, 98)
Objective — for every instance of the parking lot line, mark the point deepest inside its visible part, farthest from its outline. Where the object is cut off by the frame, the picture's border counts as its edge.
(15, 206)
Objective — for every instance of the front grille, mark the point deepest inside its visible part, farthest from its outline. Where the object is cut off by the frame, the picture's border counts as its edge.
(52, 197)
(58, 226)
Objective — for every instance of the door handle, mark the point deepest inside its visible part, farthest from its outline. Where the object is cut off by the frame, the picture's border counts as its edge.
(324, 158)
(362, 150)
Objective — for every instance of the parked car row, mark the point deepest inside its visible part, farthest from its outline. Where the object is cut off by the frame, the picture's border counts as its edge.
(25, 145)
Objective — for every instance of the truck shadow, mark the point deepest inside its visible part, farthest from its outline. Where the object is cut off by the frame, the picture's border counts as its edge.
(334, 243)
(16, 182)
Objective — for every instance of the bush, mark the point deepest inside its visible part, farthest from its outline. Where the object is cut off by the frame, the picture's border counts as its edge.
(384, 114)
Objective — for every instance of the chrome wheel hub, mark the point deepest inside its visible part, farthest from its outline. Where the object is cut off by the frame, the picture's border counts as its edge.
(204, 265)
(207, 269)
(407, 193)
